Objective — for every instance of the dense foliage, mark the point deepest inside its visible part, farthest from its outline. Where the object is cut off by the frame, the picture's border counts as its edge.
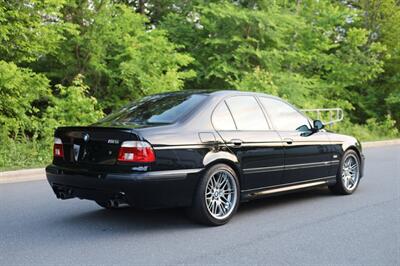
(65, 62)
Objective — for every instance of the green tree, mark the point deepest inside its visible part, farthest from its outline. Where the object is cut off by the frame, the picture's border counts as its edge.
(30, 29)
(382, 95)
(21, 92)
(121, 58)
(71, 107)
(313, 50)
(29, 113)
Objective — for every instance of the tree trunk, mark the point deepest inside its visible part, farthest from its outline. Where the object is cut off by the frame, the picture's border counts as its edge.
(141, 7)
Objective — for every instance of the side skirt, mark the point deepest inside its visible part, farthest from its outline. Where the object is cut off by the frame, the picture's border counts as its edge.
(286, 188)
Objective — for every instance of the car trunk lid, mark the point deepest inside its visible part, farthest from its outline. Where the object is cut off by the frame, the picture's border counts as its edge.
(92, 145)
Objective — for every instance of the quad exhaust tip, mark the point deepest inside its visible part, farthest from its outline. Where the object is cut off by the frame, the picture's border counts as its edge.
(113, 203)
(64, 194)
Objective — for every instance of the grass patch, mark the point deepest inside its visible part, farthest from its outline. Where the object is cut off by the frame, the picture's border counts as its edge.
(24, 154)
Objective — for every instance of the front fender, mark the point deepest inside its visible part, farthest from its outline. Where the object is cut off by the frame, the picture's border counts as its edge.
(341, 143)
(352, 143)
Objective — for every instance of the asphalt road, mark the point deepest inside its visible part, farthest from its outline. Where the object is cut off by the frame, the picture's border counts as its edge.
(312, 227)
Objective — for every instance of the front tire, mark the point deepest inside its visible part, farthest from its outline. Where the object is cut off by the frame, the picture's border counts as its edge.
(348, 176)
(217, 196)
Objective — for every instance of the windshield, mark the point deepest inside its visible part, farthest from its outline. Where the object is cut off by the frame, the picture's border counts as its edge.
(156, 109)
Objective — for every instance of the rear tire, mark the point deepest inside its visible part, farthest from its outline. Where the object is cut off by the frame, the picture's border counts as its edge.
(348, 176)
(217, 196)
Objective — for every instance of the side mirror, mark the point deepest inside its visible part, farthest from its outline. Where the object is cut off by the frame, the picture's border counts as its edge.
(318, 125)
(303, 128)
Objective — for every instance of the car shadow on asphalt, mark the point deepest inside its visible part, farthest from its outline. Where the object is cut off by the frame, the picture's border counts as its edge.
(276, 201)
(131, 219)
(126, 219)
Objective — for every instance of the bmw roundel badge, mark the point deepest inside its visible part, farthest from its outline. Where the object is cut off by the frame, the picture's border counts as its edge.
(85, 137)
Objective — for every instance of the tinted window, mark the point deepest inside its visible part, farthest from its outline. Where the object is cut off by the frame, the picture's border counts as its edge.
(222, 118)
(157, 109)
(247, 113)
(283, 116)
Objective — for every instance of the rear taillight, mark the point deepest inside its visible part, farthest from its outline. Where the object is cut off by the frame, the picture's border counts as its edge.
(58, 150)
(136, 151)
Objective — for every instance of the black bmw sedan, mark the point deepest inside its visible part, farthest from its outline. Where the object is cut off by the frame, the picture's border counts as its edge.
(207, 151)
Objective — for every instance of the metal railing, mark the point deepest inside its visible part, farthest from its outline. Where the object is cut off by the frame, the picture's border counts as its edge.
(328, 116)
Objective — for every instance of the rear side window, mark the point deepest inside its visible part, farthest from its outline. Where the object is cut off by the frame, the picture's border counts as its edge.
(157, 109)
(222, 118)
(247, 113)
(283, 116)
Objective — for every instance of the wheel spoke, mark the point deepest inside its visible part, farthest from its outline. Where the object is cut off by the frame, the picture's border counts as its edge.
(219, 180)
(224, 199)
(229, 191)
(219, 209)
(214, 206)
(223, 209)
(227, 205)
(346, 182)
(224, 182)
(209, 185)
(215, 180)
(210, 203)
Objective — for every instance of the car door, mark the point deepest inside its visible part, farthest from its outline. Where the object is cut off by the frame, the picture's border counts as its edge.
(241, 123)
(308, 154)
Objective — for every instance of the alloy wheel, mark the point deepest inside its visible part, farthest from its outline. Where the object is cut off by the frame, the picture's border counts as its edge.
(350, 172)
(221, 194)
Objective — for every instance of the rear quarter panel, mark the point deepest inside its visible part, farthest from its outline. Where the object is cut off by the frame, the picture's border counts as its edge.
(180, 146)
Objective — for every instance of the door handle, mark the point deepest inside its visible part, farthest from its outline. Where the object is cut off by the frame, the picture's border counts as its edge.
(236, 142)
(288, 140)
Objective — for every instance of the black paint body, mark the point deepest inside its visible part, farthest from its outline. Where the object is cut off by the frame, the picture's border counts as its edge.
(184, 150)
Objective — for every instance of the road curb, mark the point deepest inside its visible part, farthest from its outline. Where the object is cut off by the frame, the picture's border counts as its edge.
(22, 175)
(370, 144)
(39, 173)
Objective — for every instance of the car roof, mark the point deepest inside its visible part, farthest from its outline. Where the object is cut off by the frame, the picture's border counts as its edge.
(217, 93)
(236, 92)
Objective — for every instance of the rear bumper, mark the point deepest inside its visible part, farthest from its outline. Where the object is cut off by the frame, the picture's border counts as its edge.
(157, 189)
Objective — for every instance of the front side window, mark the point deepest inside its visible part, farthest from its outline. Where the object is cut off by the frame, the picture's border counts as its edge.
(283, 116)
(247, 113)
(157, 109)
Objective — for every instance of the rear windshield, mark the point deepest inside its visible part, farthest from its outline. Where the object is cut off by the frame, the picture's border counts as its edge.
(157, 109)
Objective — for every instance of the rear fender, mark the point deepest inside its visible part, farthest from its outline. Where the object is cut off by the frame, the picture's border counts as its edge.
(214, 157)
